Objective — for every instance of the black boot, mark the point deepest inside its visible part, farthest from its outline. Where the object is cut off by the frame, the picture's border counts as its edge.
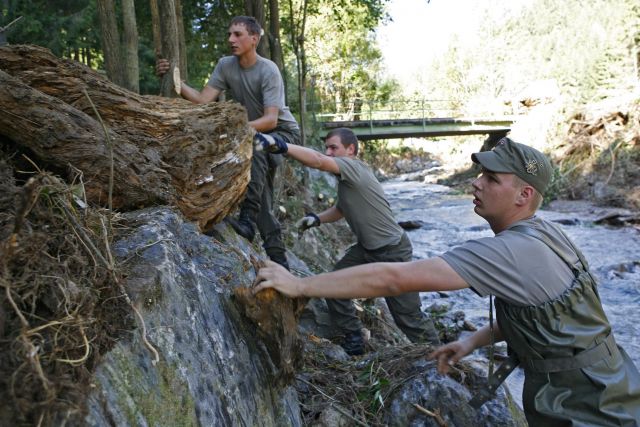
(353, 343)
(243, 226)
(278, 255)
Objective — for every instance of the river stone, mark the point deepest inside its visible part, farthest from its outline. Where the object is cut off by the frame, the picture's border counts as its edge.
(433, 391)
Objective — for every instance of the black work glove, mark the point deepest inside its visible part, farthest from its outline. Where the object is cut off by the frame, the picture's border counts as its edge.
(308, 221)
(266, 142)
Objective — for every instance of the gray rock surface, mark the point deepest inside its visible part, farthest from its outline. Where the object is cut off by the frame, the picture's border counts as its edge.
(212, 369)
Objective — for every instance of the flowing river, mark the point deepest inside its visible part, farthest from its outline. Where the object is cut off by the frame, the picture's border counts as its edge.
(447, 219)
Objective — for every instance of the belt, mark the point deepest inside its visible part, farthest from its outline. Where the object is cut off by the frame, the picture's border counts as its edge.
(581, 360)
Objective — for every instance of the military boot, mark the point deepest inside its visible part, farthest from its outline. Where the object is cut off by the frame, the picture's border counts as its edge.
(244, 226)
(353, 343)
(278, 255)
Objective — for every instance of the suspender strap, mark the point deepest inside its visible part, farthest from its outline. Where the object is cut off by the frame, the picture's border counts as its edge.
(581, 360)
(485, 394)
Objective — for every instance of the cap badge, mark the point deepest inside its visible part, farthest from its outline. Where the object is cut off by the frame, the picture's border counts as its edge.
(531, 166)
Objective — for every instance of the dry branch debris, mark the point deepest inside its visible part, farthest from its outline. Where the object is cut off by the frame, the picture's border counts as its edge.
(59, 309)
(600, 159)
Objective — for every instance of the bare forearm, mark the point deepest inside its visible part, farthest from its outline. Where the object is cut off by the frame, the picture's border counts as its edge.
(366, 281)
(190, 94)
(482, 337)
(263, 124)
(306, 156)
(332, 214)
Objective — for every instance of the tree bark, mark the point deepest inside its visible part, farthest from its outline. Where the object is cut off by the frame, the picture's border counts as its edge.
(255, 8)
(110, 41)
(170, 49)
(182, 43)
(274, 35)
(155, 27)
(130, 46)
(166, 151)
(298, 30)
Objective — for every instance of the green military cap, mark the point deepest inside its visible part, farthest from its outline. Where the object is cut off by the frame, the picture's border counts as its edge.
(526, 162)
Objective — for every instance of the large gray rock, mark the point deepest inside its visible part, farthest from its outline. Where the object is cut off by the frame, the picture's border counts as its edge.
(213, 368)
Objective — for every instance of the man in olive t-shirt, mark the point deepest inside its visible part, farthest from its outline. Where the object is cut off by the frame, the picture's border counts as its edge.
(361, 202)
(546, 300)
(256, 83)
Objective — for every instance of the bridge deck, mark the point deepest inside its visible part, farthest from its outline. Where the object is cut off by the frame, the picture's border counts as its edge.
(431, 127)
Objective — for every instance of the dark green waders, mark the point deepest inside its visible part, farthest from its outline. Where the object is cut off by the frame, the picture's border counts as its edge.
(575, 374)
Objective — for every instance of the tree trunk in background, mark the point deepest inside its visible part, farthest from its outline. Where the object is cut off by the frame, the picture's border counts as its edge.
(182, 43)
(130, 46)
(165, 151)
(255, 8)
(110, 41)
(155, 27)
(297, 41)
(274, 35)
(170, 49)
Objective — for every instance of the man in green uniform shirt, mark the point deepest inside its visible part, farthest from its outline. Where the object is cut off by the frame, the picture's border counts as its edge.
(547, 305)
(256, 83)
(362, 203)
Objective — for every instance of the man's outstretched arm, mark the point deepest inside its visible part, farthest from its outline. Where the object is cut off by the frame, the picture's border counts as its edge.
(207, 94)
(268, 121)
(332, 214)
(313, 159)
(365, 281)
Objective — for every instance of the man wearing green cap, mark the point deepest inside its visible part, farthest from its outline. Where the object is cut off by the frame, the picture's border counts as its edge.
(547, 305)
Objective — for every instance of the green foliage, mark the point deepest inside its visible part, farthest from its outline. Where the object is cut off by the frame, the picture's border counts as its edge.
(373, 384)
(205, 36)
(585, 46)
(374, 148)
(62, 26)
(343, 60)
(556, 186)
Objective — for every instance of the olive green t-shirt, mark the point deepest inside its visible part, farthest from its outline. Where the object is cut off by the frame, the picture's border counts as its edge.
(362, 201)
(515, 267)
(255, 87)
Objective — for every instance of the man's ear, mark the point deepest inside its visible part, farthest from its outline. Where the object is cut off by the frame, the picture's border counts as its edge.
(525, 195)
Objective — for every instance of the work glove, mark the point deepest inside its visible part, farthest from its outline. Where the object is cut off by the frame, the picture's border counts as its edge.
(269, 143)
(308, 221)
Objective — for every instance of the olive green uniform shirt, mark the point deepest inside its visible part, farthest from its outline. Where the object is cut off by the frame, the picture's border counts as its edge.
(255, 87)
(362, 202)
(513, 267)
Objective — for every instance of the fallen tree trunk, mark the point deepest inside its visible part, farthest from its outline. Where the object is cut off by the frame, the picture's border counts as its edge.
(166, 151)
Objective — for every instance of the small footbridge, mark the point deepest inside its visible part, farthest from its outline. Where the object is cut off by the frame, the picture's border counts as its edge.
(408, 119)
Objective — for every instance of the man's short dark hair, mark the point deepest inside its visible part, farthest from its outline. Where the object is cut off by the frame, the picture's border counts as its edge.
(347, 137)
(250, 23)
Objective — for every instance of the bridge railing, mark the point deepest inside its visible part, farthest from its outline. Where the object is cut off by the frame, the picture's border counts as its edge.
(393, 109)
(361, 109)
